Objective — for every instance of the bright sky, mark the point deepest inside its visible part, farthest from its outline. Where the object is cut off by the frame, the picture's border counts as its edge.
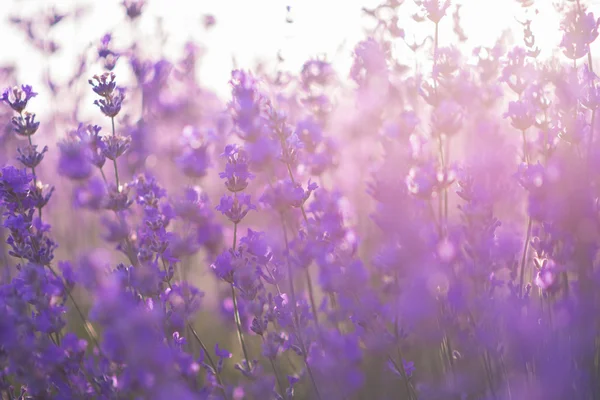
(250, 29)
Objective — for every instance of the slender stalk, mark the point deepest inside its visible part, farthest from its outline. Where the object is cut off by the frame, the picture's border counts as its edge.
(197, 337)
(524, 256)
(400, 368)
(591, 142)
(115, 160)
(433, 218)
(447, 161)
(444, 163)
(34, 177)
(525, 150)
(238, 325)
(236, 311)
(296, 318)
(103, 175)
(311, 294)
(276, 372)
(489, 372)
(505, 372)
(209, 358)
(88, 327)
(436, 43)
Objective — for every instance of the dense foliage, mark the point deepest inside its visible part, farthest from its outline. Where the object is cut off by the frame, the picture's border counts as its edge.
(412, 233)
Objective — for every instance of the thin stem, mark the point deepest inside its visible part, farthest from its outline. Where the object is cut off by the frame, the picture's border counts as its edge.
(116, 175)
(275, 371)
(436, 44)
(435, 56)
(489, 373)
(238, 325)
(236, 311)
(524, 256)
(525, 151)
(88, 327)
(32, 168)
(447, 161)
(210, 360)
(34, 177)
(234, 236)
(400, 368)
(197, 337)
(311, 294)
(591, 142)
(444, 162)
(112, 120)
(546, 136)
(103, 176)
(294, 302)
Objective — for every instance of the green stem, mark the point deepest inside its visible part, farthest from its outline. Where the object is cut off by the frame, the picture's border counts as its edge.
(103, 176)
(592, 129)
(115, 160)
(236, 312)
(197, 337)
(524, 256)
(525, 151)
(296, 323)
(238, 325)
(34, 177)
(400, 367)
(88, 327)
(276, 373)
(311, 294)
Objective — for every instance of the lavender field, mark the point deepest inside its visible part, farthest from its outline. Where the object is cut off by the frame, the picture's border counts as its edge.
(423, 224)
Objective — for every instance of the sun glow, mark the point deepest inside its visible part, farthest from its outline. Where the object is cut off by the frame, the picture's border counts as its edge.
(247, 31)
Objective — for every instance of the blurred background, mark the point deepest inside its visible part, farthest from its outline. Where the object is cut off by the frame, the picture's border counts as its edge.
(176, 62)
(244, 32)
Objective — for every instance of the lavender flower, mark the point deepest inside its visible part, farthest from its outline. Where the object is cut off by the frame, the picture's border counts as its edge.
(25, 124)
(17, 98)
(236, 171)
(235, 207)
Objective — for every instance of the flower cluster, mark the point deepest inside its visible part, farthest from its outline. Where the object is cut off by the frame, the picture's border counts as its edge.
(412, 232)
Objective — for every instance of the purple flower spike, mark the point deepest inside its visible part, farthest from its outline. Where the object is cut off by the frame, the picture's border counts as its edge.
(17, 98)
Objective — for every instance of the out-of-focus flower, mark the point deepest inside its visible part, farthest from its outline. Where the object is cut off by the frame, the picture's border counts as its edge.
(435, 9)
(316, 73)
(447, 118)
(521, 114)
(580, 29)
(209, 21)
(286, 194)
(75, 159)
(133, 8)
(194, 159)
(370, 61)
(547, 276)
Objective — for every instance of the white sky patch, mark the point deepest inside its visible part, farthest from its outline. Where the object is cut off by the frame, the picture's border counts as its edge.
(250, 30)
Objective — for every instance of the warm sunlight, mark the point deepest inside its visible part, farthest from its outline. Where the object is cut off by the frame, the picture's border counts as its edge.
(299, 200)
(247, 31)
